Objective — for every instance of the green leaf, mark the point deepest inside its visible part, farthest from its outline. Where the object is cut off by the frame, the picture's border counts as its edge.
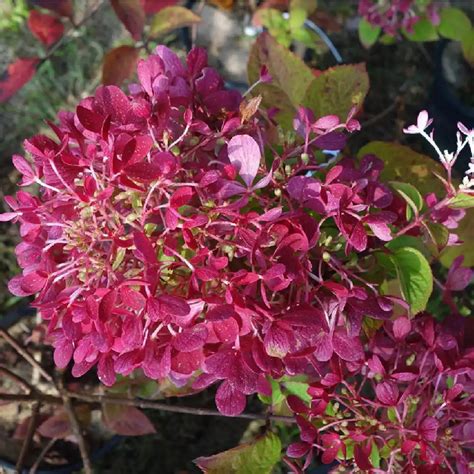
(300, 389)
(467, 45)
(391, 414)
(304, 36)
(455, 24)
(172, 18)
(258, 457)
(387, 39)
(462, 201)
(368, 34)
(272, 19)
(338, 89)
(375, 456)
(291, 77)
(297, 18)
(408, 241)
(414, 276)
(439, 235)
(401, 163)
(423, 30)
(411, 195)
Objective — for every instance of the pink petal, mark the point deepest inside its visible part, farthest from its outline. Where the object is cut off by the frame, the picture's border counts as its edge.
(244, 154)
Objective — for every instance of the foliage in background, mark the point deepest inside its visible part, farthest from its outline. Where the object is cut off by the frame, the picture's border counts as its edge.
(417, 21)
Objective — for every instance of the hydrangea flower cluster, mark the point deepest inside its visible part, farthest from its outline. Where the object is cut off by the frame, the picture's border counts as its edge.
(394, 15)
(412, 407)
(173, 235)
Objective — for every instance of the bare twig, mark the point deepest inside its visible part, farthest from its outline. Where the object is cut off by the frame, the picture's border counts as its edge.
(29, 437)
(26, 355)
(41, 456)
(76, 429)
(68, 34)
(31, 397)
(16, 378)
(382, 114)
(149, 404)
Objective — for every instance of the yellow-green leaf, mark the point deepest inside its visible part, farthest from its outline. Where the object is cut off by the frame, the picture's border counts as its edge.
(455, 24)
(291, 77)
(423, 30)
(258, 457)
(172, 18)
(467, 45)
(368, 33)
(337, 90)
(462, 201)
(401, 163)
(414, 276)
(465, 232)
(411, 195)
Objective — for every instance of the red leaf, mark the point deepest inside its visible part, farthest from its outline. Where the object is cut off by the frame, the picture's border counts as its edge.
(131, 14)
(191, 338)
(46, 28)
(361, 456)
(127, 420)
(119, 65)
(89, 120)
(144, 247)
(61, 7)
(143, 172)
(298, 450)
(173, 305)
(18, 74)
(181, 197)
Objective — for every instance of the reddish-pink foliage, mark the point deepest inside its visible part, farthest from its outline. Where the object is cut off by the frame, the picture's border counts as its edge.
(415, 392)
(46, 28)
(171, 237)
(18, 74)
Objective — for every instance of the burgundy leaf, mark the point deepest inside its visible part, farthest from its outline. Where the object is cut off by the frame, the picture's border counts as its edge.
(347, 348)
(154, 6)
(276, 342)
(119, 65)
(429, 429)
(387, 393)
(298, 450)
(131, 14)
(56, 426)
(230, 401)
(127, 420)
(361, 456)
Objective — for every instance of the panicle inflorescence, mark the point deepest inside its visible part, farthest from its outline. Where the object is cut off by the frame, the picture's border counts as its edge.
(171, 235)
